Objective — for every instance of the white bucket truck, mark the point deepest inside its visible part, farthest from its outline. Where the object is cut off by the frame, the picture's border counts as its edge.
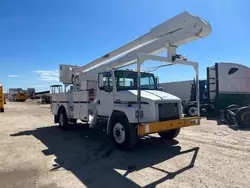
(127, 103)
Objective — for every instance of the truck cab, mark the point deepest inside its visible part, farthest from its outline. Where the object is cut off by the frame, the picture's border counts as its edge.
(118, 90)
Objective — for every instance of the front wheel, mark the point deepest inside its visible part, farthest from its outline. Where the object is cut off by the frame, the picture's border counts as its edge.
(124, 134)
(169, 135)
(192, 111)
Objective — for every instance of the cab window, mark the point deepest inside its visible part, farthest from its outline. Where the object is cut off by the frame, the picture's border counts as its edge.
(105, 82)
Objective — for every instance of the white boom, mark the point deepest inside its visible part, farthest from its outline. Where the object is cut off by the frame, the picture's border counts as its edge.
(179, 30)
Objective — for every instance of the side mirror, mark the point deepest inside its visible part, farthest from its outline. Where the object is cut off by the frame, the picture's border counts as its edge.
(157, 80)
(157, 83)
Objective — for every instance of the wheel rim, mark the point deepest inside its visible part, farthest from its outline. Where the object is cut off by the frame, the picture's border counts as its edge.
(192, 111)
(245, 117)
(61, 119)
(119, 133)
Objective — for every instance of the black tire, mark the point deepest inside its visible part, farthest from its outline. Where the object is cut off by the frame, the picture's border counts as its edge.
(63, 120)
(242, 117)
(2, 109)
(190, 110)
(128, 130)
(234, 108)
(169, 135)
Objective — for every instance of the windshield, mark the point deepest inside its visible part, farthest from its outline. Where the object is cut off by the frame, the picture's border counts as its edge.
(127, 80)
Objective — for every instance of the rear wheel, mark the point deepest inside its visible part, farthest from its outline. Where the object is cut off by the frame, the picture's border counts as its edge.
(169, 135)
(2, 109)
(242, 117)
(124, 134)
(234, 108)
(192, 110)
(63, 120)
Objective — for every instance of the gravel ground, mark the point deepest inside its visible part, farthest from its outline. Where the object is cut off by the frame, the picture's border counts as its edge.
(36, 153)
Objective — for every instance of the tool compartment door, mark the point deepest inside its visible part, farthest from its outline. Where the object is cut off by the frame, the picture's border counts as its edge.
(57, 99)
(81, 100)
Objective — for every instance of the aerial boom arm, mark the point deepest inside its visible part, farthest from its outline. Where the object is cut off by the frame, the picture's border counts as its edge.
(177, 31)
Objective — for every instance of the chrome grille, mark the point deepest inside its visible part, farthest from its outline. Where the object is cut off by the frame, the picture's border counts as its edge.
(168, 111)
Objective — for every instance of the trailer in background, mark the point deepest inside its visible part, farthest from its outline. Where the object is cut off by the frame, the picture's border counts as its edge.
(44, 96)
(178, 89)
(186, 91)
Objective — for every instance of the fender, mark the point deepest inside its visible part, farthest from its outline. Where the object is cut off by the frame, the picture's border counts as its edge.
(114, 115)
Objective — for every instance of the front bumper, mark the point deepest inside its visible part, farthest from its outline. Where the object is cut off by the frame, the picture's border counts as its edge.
(155, 127)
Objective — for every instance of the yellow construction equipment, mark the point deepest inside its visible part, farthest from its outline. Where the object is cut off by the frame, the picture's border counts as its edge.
(4, 97)
(21, 96)
(17, 95)
(1, 99)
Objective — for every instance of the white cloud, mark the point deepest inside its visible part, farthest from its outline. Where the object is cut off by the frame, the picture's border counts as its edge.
(13, 76)
(48, 75)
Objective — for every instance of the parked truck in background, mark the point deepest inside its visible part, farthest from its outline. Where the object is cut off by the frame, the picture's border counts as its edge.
(227, 88)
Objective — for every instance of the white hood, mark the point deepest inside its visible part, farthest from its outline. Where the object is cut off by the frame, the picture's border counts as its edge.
(154, 95)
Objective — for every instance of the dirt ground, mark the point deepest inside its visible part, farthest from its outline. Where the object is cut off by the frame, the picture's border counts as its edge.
(36, 153)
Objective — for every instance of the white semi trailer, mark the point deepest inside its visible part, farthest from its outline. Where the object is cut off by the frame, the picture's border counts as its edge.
(180, 89)
(128, 103)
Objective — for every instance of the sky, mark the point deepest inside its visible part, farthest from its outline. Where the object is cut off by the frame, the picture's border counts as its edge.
(38, 35)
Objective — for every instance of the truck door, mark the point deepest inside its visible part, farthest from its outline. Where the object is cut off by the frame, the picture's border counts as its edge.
(105, 94)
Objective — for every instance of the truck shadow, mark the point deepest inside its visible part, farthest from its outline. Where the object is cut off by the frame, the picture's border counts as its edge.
(92, 158)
